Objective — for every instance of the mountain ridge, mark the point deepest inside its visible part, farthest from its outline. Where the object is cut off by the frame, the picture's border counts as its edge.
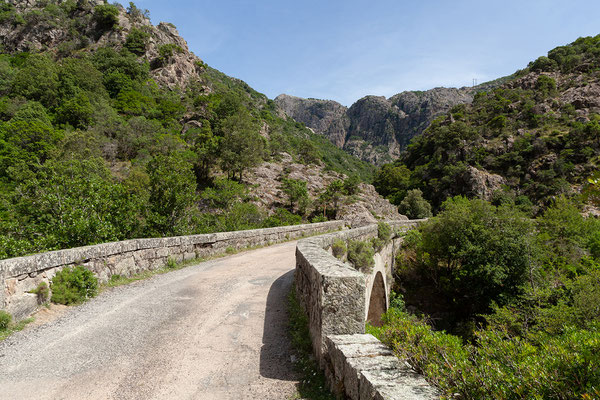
(375, 128)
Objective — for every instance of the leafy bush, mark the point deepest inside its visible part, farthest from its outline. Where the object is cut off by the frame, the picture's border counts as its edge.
(360, 254)
(339, 248)
(167, 51)
(73, 285)
(282, 217)
(377, 243)
(295, 190)
(414, 206)
(318, 218)
(351, 185)
(498, 366)
(137, 41)
(472, 254)
(5, 320)
(171, 263)
(384, 231)
(106, 16)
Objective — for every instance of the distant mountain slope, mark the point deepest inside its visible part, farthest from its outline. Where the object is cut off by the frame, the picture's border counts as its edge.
(533, 138)
(374, 128)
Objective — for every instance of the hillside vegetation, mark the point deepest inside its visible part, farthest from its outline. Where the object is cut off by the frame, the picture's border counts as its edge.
(526, 142)
(111, 129)
(498, 294)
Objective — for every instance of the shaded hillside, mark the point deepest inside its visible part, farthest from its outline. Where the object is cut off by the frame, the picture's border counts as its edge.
(528, 141)
(111, 129)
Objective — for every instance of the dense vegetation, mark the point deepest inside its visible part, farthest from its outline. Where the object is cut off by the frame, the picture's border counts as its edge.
(537, 133)
(501, 306)
(500, 299)
(93, 149)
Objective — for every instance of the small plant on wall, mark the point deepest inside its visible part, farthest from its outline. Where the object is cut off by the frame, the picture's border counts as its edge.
(43, 292)
(339, 248)
(73, 285)
(360, 254)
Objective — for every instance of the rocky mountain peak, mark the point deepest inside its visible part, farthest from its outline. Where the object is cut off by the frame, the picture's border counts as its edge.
(375, 128)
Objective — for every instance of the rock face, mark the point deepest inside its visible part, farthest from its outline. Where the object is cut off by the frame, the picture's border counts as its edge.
(54, 35)
(360, 209)
(326, 117)
(482, 184)
(374, 128)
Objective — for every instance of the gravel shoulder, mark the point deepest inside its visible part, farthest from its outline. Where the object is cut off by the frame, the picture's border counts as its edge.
(216, 330)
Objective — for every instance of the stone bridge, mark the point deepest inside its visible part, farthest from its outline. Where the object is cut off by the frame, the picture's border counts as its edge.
(339, 301)
(224, 311)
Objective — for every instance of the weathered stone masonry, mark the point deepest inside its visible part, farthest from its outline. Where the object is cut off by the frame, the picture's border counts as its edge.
(335, 297)
(20, 275)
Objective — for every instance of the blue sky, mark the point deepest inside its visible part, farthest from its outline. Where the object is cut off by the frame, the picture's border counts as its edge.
(344, 50)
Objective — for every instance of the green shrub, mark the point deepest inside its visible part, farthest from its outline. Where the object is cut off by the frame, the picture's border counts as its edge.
(282, 217)
(377, 243)
(318, 218)
(414, 206)
(230, 250)
(351, 185)
(472, 253)
(171, 263)
(339, 248)
(166, 51)
(106, 16)
(5, 320)
(384, 231)
(497, 365)
(360, 254)
(136, 41)
(73, 285)
(43, 292)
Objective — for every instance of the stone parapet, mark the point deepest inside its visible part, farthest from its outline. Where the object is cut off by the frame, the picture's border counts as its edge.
(360, 367)
(335, 297)
(18, 276)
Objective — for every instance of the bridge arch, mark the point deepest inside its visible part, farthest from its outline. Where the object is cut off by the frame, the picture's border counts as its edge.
(377, 300)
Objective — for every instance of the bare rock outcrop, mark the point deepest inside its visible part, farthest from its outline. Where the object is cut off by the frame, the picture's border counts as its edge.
(364, 207)
(482, 184)
(326, 117)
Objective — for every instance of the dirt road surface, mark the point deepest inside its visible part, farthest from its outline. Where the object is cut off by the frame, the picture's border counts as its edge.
(216, 330)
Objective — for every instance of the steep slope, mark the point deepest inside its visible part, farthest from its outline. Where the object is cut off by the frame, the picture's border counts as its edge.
(110, 128)
(325, 117)
(528, 141)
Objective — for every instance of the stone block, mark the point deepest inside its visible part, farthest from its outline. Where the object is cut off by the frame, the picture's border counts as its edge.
(162, 252)
(20, 307)
(144, 254)
(382, 384)
(10, 287)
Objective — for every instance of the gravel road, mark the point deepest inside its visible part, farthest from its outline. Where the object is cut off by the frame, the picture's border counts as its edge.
(216, 330)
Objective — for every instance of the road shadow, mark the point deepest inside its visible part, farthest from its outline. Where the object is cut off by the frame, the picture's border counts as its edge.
(276, 351)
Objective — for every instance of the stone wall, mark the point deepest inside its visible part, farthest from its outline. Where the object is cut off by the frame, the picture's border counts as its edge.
(20, 275)
(362, 368)
(335, 297)
(334, 294)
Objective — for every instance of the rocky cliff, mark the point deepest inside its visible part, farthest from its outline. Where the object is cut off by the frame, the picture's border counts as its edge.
(326, 117)
(375, 129)
(64, 30)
